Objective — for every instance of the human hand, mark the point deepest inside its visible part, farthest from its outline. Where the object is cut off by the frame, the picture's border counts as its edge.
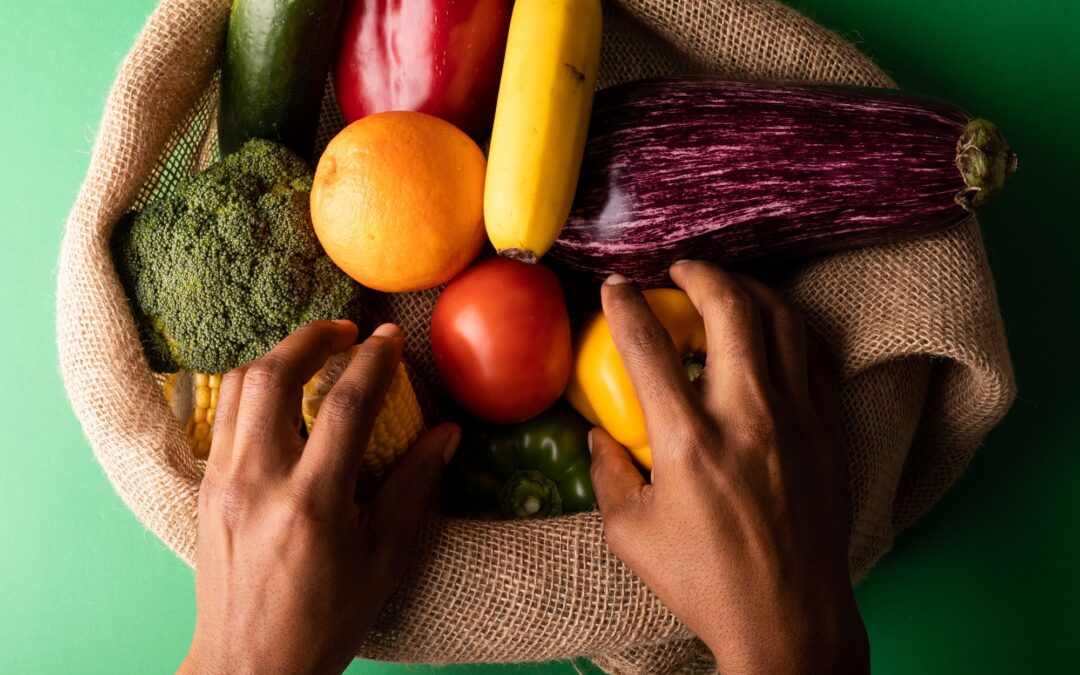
(291, 571)
(743, 531)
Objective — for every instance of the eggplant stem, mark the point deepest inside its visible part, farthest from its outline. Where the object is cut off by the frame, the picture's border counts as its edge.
(985, 161)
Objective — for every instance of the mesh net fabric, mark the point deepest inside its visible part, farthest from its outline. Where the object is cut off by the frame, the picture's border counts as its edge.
(914, 327)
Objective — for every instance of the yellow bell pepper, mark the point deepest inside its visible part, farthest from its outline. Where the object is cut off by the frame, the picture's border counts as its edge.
(600, 388)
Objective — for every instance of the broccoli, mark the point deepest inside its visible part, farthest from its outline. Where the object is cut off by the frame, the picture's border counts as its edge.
(228, 264)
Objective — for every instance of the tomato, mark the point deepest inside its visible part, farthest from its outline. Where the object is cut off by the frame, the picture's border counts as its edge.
(500, 335)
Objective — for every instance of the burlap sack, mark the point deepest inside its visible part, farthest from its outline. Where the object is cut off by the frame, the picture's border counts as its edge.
(915, 327)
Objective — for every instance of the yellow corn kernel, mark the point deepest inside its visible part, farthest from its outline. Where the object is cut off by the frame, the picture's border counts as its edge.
(193, 398)
(398, 424)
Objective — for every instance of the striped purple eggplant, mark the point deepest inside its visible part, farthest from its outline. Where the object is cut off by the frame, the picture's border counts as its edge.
(748, 173)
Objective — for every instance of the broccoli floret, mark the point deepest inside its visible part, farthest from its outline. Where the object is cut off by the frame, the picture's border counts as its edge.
(228, 264)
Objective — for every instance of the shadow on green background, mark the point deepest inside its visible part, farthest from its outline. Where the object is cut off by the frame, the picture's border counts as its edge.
(987, 583)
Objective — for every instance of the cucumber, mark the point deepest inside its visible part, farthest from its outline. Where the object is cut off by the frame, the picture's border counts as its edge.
(277, 54)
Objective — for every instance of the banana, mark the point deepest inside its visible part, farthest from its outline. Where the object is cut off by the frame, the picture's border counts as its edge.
(541, 119)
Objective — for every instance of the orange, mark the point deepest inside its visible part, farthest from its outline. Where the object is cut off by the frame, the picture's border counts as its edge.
(398, 201)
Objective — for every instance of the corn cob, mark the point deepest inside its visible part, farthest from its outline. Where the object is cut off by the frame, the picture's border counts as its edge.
(193, 398)
(398, 424)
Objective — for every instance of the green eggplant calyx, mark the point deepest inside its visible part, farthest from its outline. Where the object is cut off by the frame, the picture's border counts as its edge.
(530, 494)
(694, 365)
(985, 161)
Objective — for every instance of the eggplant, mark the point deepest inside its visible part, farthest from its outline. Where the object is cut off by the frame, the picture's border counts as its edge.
(749, 174)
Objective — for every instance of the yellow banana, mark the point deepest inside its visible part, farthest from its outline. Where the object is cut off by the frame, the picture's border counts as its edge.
(541, 119)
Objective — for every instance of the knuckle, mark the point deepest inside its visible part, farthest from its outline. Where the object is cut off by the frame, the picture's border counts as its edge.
(616, 530)
(264, 375)
(347, 400)
(233, 379)
(693, 441)
(646, 339)
(623, 526)
(757, 395)
(761, 432)
(374, 360)
(224, 418)
(774, 467)
(598, 474)
(303, 504)
(231, 501)
(380, 346)
(733, 301)
(209, 487)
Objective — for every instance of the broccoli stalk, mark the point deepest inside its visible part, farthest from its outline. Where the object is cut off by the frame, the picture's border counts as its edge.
(228, 264)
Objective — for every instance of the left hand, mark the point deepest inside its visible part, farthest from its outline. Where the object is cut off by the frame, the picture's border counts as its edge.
(291, 572)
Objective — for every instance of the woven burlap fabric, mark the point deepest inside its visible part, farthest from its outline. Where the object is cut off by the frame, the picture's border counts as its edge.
(914, 327)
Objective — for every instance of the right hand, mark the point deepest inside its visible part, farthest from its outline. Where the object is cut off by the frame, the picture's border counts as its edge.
(743, 530)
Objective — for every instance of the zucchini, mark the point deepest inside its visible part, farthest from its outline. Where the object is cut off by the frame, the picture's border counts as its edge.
(277, 55)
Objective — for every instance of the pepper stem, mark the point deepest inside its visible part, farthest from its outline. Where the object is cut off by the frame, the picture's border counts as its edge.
(530, 494)
(520, 255)
(694, 365)
(985, 161)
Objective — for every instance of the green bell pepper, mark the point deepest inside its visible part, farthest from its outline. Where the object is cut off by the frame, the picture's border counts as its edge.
(535, 469)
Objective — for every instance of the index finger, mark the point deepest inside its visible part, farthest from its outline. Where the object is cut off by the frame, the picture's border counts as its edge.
(271, 387)
(331, 459)
(648, 354)
(737, 361)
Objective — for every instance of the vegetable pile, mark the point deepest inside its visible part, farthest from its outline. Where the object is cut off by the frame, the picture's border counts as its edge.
(404, 199)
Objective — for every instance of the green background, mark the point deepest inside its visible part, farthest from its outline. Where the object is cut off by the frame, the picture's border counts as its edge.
(987, 583)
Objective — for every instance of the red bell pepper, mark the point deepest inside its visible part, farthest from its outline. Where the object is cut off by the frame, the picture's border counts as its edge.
(441, 57)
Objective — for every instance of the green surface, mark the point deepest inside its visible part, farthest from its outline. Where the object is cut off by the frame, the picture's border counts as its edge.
(987, 583)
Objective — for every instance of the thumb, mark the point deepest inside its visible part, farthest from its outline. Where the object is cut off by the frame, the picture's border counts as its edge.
(404, 497)
(614, 477)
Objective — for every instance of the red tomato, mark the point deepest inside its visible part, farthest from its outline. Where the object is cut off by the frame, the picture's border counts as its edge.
(501, 339)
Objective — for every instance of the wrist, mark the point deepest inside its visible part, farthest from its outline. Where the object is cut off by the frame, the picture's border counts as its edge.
(218, 660)
(233, 659)
(826, 637)
(202, 661)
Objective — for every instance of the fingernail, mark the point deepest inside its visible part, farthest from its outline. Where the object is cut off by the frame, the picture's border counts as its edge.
(451, 443)
(681, 262)
(387, 330)
(615, 280)
(590, 439)
(343, 322)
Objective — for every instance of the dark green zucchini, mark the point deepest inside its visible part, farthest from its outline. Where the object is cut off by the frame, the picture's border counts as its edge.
(277, 55)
